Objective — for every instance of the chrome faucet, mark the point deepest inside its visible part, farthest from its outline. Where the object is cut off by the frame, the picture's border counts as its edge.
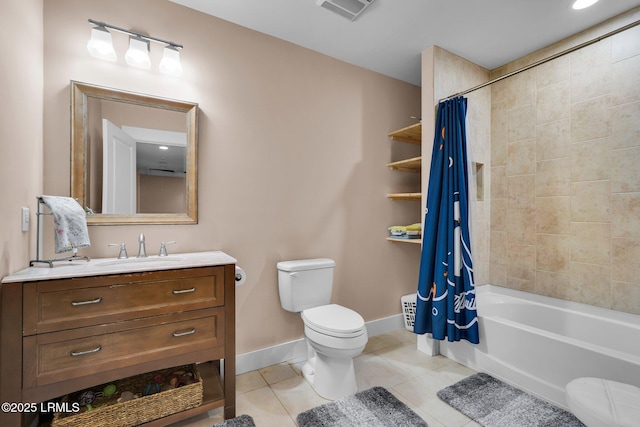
(163, 247)
(142, 252)
(123, 250)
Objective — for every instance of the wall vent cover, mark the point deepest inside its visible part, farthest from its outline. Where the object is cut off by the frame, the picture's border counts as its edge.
(349, 9)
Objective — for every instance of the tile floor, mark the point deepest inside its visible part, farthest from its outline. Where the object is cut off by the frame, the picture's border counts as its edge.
(275, 395)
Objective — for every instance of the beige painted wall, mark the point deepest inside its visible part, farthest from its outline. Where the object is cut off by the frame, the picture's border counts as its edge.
(292, 155)
(565, 183)
(20, 127)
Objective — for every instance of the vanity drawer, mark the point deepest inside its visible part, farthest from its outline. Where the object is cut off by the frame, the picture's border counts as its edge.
(71, 303)
(62, 356)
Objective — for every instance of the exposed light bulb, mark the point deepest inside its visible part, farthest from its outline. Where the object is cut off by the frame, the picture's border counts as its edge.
(101, 45)
(138, 53)
(170, 63)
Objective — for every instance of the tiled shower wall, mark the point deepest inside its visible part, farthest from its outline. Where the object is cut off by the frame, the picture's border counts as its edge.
(565, 174)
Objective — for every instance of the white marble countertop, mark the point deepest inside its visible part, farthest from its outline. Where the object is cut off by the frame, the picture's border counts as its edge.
(105, 266)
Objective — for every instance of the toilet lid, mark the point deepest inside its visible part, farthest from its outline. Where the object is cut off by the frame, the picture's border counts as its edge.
(333, 319)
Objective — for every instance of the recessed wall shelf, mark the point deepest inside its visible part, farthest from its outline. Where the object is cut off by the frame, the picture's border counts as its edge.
(413, 135)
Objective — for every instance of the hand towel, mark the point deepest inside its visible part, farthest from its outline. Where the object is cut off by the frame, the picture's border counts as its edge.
(69, 223)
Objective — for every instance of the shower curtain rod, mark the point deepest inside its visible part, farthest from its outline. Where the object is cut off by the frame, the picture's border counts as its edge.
(542, 61)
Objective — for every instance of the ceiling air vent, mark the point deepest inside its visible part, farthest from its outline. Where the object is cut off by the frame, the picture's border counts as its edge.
(349, 9)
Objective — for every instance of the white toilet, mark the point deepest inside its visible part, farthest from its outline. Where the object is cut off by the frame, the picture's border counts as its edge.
(335, 334)
(604, 403)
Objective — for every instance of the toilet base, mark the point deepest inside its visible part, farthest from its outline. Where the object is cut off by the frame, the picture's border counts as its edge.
(332, 378)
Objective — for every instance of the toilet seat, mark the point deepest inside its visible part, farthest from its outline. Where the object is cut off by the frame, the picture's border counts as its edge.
(604, 403)
(334, 320)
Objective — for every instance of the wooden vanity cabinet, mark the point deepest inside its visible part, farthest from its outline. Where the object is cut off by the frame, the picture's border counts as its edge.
(63, 335)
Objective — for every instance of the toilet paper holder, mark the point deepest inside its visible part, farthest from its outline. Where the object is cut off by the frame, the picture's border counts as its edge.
(240, 276)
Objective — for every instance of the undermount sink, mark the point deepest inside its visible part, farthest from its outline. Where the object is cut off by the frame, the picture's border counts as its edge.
(124, 261)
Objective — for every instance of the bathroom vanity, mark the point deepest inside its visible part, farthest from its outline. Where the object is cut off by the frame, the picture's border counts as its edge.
(82, 324)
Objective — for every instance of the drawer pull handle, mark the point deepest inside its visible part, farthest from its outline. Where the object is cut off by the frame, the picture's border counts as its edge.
(183, 291)
(91, 301)
(182, 334)
(82, 353)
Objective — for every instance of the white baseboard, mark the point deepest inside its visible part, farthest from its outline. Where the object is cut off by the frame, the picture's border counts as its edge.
(297, 350)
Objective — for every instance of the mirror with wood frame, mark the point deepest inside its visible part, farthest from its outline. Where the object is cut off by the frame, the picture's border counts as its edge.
(133, 157)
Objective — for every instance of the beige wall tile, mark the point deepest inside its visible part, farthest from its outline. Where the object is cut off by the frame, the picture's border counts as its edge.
(553, 140)
(553, 177)
(591, 71)
(586, 177)
(521, 226)
(480, 242)
(591, 201)
(591, 160)
(498, 247)
(481, 273)
(591, 242)
(552, 284)
(498, 182)
(521, 157)
(625, 173)
(521, 123)
(500, 96)
(625, 215)
(553, 253)
(624, 297)
(521, 267)
(625, 87)
(498, 215)
(591, 119)
(553, 215)
(625, 262)
(498, 274)
(521, 192)
(625, 125)
(590, 284)
(625, 44)
(554, 71)
(553, 102)
(521, 89)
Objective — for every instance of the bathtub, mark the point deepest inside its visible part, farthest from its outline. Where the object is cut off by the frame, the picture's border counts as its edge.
(539, 343)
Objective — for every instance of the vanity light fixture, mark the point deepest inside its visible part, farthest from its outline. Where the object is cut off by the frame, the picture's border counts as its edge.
(101, 46)
(583, 4)
(170, 63)
(138, 53)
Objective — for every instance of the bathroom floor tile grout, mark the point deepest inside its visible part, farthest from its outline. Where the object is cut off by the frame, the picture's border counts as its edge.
(276, 394)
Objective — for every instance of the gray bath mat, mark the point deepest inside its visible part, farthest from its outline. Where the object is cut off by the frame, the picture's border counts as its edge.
(493, 403)
(241, 421)
(375, 407)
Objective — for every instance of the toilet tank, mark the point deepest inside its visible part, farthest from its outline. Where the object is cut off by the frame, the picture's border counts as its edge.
(305, 283)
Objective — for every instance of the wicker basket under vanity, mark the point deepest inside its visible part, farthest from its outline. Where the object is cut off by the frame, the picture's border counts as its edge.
(108, 412)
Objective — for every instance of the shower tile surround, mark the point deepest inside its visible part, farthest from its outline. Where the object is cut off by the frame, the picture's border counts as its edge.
(565, 182)
(560, 145)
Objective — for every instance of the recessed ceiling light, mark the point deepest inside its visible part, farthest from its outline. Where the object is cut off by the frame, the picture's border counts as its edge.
(582, 4)
(163, 147)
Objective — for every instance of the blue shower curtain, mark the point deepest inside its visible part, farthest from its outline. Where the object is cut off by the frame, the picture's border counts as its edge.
(446, 303)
